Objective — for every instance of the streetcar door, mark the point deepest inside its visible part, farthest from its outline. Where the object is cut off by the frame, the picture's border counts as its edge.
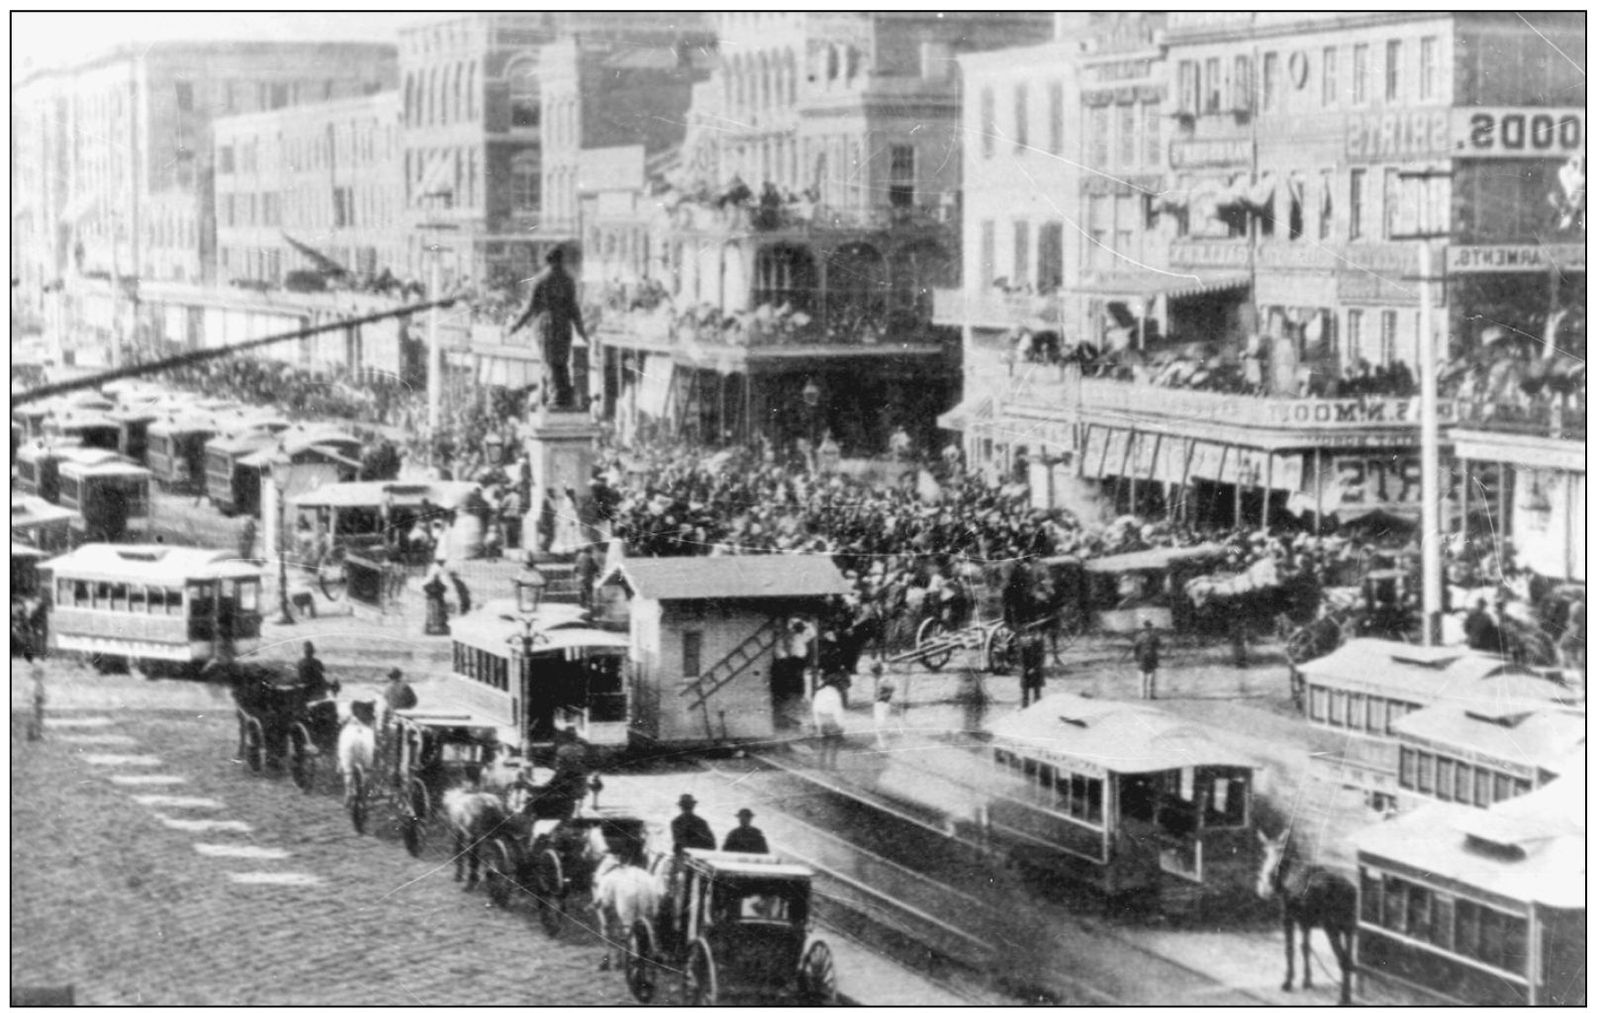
(202, 596)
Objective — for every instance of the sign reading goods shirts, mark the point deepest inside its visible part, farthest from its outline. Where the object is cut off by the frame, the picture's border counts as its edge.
(1391, 136)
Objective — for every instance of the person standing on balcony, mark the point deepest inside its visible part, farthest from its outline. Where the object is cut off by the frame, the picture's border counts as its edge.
(555, 310)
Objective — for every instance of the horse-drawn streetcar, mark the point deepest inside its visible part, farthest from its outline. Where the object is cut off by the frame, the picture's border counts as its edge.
(734, 928)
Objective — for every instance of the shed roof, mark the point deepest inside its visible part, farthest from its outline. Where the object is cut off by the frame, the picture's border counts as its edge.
(685, 578)
(1113, 734)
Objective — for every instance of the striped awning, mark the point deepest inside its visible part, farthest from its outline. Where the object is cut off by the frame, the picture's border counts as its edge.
(1148, 285)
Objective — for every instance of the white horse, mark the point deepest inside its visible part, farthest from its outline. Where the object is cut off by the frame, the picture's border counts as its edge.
(357, 747)
(623, 893)
(474, 816)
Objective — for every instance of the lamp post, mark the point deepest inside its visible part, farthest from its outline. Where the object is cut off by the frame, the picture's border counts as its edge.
(529, 588)
(280, 466)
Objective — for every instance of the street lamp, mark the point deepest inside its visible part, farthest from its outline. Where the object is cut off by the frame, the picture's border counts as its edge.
(280, 465)
(529, 588)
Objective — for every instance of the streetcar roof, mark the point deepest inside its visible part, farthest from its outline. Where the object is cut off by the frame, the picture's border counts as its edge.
(1154, 559)
(1530, 848)
(345, 495)
(34, 511)
(740, 865)
(1516, 723)
(85, 469)
(184, 419)
(1399, 671)
(151, 564)
(679, 578)
(562, 626)
(242, 443)
(83, 419)
(19, 550)
(1114, 735)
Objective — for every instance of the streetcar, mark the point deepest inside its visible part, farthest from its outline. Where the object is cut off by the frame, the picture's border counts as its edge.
(159, 608)
(352, 513)
(133, 423)
(570, 676)
(233, 486)
(1477, 907)
(98, 429)
(1124, 798)
(111, 496)
(175, 448)
(43, 525)
(36, 470)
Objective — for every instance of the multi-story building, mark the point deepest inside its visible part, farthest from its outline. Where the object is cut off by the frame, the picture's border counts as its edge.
(477, 119)
(315, 187)
(112, 158)
(809, 221)
(1249, 316)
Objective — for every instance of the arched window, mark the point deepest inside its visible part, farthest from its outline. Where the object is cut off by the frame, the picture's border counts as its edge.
(789, 77)
(525, 172)
(431, 89)
(523, 76)
(472, 91)
(765, 82)
(856, 286)
(411, 101)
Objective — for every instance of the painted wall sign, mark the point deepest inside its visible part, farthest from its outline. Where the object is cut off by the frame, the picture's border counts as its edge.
(1199, 154)
(1517, 133)
(1420, 133)
(1506, 257)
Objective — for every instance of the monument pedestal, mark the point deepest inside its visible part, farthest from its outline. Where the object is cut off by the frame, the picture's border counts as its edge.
(562, 449)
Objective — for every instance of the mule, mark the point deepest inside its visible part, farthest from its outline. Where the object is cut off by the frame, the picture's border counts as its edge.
(474, 817)
(1310, 896)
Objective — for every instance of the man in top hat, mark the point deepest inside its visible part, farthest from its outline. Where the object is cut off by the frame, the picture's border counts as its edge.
(554, 307)
(690, 830)
(745, 837)
(1148, 649)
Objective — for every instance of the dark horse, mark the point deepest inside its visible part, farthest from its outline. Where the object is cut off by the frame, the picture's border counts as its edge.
(1312, 897)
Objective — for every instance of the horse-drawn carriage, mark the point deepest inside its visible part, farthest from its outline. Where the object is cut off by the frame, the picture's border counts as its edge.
(419, 757)
(280, 726)
(734, 928)
(555, 861)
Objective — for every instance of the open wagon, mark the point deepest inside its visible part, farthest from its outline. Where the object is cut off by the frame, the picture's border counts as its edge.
(734, 930)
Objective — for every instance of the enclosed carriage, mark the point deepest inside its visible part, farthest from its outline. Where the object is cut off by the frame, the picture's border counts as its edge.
(734, 929)
(156, 607)
(281, 726)
(555, 861)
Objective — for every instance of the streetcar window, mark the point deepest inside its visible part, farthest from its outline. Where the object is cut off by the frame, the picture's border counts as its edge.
(80, 594)
(175, 601)
(1418, 911)
(1354, 711)
(1370, 890)
(1426, 773)
(1318, 704)
(456, 657)
(1376, 716)
(1337, 707)
(102, 595)
(136, 598)
(1395, 914)
(1465, 778)
(505, 672)
(1443, 778)
(1225, 800)
(1521, 786)
(63, 591)
(1408, 776)
(1092, 800)
(1441, 921)
(249, 596)
(1466, 928)
(1503, 788)
(1482, 787)
(1394, 709)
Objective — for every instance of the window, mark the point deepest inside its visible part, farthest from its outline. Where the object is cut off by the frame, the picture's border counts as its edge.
(184, 93)
(524, 83)
(1370, 890)
(1295, 193)
(1154, 136)
(1126, 135)
(1054, 128)
(901, 175)
(1376, 715)
(1050, 272)
(692, 654)
(1354, 711)
(225, 160)
(1482, 787)
(279, 96)
(1387, 349)
(1270, 80)
(1393, 70)
(1214, 91)
(1243, 84)
(1426, 773)
(1020, 253)
(987, 253)
(1355, 207)
(987, 122)
(1464, 790)
(526, 181)
(1189, 87)
(1407, 775)
(1426, 68)
(1359, 74)
(1100, 152)
(1318, 704)
(1020, 117)
(1443, 778)
(1327, 93)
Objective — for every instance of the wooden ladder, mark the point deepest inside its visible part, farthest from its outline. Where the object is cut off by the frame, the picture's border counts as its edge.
(745, 654)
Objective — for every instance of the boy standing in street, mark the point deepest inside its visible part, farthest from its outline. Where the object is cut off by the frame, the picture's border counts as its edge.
(1147, 650)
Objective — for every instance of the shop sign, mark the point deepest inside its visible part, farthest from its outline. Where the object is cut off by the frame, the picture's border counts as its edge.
(1287, 472)
(1364, 481)
(1348, 411)
(1295, 256)
(1371, 288)
(1517, 133)
(1511, 258)
(1225, 253)
(1395, 136)
(1120, 70)
(1209, 154)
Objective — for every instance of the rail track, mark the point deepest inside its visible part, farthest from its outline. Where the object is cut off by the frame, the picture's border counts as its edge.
(978, 928)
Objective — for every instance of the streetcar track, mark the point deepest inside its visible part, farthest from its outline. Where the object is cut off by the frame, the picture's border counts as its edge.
(1219, 990)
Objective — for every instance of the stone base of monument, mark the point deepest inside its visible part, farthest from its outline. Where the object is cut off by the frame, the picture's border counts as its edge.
(562, 449)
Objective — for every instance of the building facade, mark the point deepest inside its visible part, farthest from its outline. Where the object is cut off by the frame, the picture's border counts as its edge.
(314, 188)
(112, 160)
(1244, 336)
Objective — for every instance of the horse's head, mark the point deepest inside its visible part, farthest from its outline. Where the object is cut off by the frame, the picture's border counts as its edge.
(1276, 858)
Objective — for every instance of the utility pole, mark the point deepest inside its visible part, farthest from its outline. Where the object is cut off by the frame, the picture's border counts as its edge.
(1430, 456)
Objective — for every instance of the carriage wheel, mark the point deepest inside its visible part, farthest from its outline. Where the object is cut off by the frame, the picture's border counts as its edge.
(356, 798)
(250, 742)
(818, 985)
(331, 582)
(499, 874)
(1001, 650)
(929, 630)
(701, 977)
(1060, 635)
(639, 963)
(302, 768)
(1302, 645)
(415, 819)
(550, 886)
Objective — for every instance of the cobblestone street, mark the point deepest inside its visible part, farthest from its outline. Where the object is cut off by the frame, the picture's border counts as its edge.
(149, 868)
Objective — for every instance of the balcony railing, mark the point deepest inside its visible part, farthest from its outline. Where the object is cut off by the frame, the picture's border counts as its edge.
(994, 308)
(708, 327)
(753, 216)
(1551, 420)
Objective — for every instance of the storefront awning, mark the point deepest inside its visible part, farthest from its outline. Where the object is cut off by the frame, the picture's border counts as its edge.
(974, 409)
(1149, 286)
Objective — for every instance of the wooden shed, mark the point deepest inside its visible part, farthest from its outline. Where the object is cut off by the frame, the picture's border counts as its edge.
(703, 636)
